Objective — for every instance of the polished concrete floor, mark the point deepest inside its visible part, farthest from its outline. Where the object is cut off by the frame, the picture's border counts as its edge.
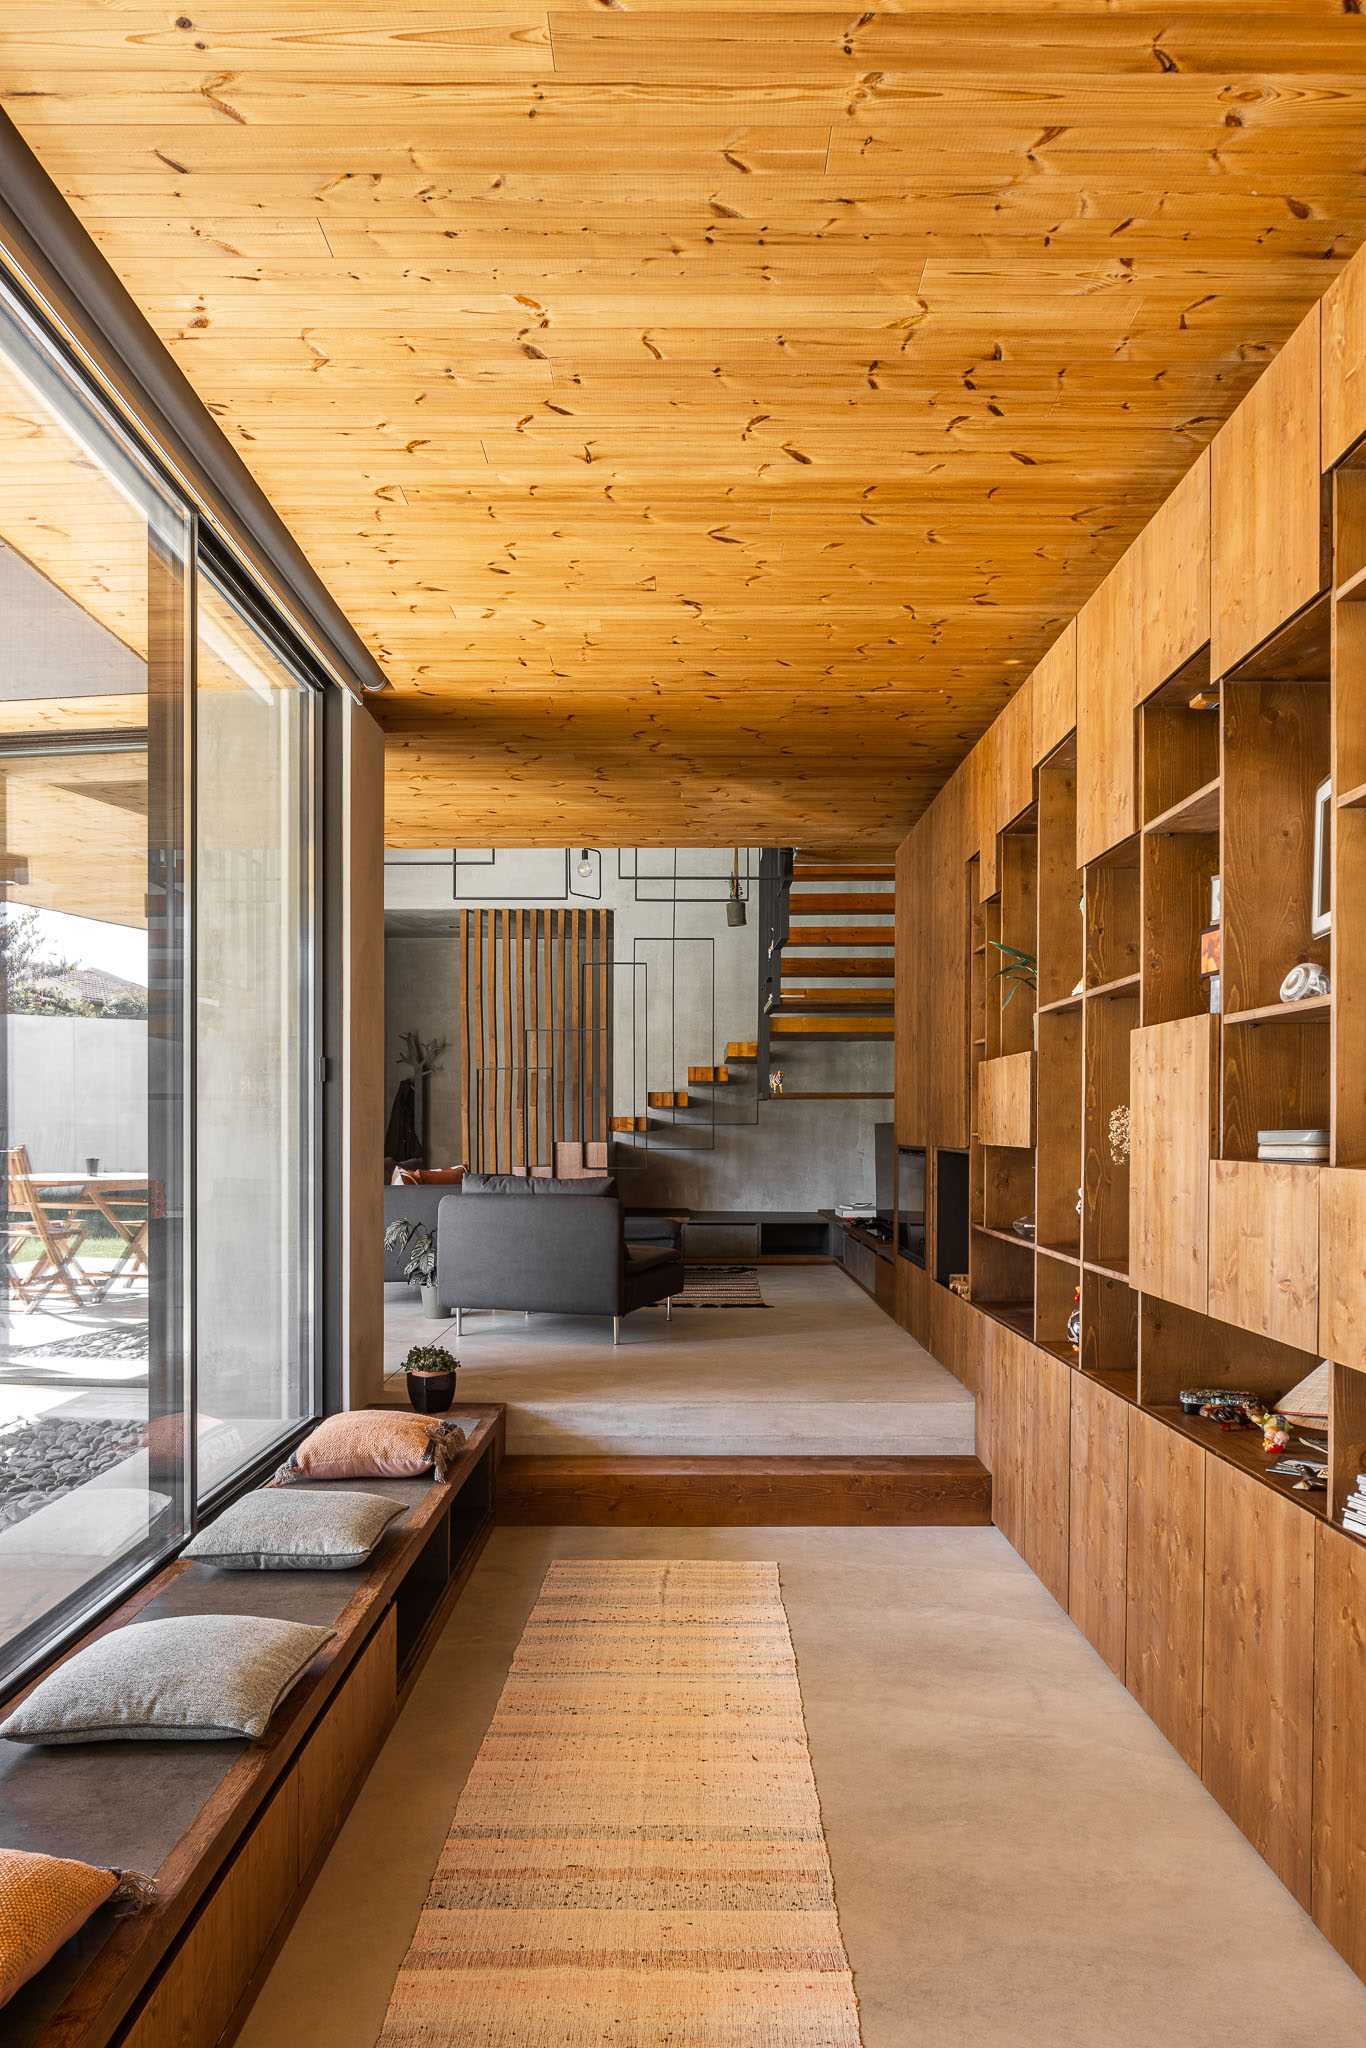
(821, 1369)
(1020, 1859)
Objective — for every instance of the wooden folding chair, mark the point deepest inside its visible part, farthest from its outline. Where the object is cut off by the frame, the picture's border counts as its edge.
(29, 1221)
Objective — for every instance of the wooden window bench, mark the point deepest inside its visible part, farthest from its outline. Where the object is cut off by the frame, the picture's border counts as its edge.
(234, 1832)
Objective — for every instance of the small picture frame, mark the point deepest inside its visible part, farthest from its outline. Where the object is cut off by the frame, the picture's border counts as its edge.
(1216, 899)
(1321, 918)
(1211, 950)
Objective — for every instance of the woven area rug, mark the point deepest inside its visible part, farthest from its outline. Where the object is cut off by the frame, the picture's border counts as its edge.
(637, 1857)
(721, 1287)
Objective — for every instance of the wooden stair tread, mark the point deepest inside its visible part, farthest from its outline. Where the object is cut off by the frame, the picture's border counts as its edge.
(844, 935)
(820, 904)
(743, 1049)
(630, 1123)
(794, 965)
(831, 1027)
(708, 1077)
(844, 871)
(743, 1492)
(667, 1098)
(838, 998)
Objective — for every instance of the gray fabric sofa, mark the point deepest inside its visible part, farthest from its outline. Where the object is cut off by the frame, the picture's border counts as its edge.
(546, 1251)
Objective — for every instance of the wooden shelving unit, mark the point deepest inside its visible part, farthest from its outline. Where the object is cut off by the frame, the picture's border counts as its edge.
(1181, 729)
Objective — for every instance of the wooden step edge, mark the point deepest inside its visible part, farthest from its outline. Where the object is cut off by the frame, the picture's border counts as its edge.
(708, 1077)
(844, 871)
(666, 1098)
(935, 1491)
(630, 1123)
(843, 935)
(746, 1049)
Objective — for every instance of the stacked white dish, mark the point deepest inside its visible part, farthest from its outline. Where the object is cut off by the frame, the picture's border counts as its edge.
(1304, 1145)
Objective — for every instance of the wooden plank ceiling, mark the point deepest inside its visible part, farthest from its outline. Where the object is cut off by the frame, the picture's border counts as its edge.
(707, 414)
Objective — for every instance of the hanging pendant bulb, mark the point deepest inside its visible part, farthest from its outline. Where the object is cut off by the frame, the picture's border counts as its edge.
(735, 905)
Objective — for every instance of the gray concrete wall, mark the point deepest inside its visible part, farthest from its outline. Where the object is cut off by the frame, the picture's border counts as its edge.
(676, 1005)
(78, 1090)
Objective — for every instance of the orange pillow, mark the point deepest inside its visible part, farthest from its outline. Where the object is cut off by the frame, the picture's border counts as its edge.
(44, 1900)
(373, 1443)
(428, 1176)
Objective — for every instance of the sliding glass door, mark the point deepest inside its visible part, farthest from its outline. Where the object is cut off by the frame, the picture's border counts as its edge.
(95, 579)
(255, 1060)
(159, 1096)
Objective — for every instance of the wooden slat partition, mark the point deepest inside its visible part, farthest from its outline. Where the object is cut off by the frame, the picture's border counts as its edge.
(535, 1018)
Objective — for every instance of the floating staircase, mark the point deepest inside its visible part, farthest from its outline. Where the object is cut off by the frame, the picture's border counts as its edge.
(860, 957)
(826, 978)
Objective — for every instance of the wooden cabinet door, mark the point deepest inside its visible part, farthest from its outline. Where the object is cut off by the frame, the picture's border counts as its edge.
(985, 810)
(1267, 503)
(1097, 1585)
(1339, 1829)
(1173, 1097)
(1107, 751)
(1165, 1574)
(1264, 1248)
(1053, 697)
(1005, 1100)
(1342, 1267)
(1015, 757)
(1047, 1431)
(1259, 1666)
(1343, 360)
(1169, 587)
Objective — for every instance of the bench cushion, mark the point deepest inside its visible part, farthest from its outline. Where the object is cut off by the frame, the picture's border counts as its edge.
(201, 1677)
(302, 1531)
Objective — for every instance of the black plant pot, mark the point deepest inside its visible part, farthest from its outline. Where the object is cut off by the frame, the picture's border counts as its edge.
(431, 1393)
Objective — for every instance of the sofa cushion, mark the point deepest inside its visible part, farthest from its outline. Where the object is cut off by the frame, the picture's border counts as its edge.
(271, 1531)
(581, 1184)
(192, 1678)
(643, 1258)
(497, 1184)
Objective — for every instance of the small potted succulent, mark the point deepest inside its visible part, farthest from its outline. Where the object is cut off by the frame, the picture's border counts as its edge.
(418, 1246)
(431, 1375)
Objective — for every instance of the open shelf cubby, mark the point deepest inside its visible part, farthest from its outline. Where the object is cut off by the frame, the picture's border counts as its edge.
(1105, 1161)
(1112, 916)
(1179, 751)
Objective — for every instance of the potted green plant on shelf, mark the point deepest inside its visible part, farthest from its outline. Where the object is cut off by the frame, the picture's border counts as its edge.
(431, 1372)
(1019, 968)
(418, 1245)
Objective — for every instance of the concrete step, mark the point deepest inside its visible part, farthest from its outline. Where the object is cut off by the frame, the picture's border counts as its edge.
(743, 1493)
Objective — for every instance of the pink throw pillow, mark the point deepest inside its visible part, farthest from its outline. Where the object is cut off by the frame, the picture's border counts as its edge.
(373, 1443)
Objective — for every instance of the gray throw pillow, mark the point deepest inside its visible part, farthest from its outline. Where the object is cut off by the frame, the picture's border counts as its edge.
(495, 1184)
(275, 1531)
(193, 1678)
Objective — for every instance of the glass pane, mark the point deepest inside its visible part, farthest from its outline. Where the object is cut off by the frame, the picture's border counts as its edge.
(254, 1148)
(93, 638)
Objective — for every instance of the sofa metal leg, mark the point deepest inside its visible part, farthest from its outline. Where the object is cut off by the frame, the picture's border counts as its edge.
(616, 1329)
(459, 1324)
(669, 1309)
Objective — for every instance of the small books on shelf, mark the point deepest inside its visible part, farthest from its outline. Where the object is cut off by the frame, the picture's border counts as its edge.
(1305, 1144)
(1354, 1512)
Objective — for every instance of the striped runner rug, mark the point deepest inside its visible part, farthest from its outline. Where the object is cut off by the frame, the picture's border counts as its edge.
(637, 1857)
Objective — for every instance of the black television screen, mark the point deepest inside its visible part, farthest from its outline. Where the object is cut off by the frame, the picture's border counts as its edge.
(910, 1225)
